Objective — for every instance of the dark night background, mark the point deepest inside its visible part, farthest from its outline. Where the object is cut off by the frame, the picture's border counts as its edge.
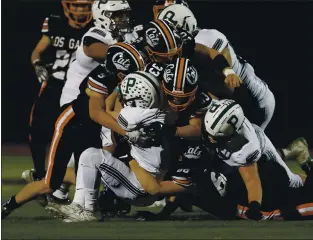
(275, 37)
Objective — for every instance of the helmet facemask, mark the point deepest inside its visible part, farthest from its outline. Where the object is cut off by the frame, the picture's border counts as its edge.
(178, 100)
(120, 21)
(164, 57)
(78, 12)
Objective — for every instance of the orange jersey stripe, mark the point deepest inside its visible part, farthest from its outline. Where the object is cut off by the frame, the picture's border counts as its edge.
(97, 86)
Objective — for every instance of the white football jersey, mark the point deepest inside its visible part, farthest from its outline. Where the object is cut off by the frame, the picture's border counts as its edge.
(131, 118)
(244, 149)
(83, 65)
(218, 41)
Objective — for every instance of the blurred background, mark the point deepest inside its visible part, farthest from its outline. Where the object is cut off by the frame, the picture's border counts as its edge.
(275, 37)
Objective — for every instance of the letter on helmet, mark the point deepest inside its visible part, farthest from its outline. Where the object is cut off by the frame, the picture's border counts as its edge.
(141, 89)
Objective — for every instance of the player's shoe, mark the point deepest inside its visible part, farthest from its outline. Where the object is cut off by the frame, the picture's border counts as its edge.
(30, 176)
(81, 216)
(55, 203)
(63, 210)
(298, 150)
(160, 203)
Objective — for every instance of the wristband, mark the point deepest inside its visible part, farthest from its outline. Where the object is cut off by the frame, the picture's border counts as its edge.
(35, 61)
(228, 71)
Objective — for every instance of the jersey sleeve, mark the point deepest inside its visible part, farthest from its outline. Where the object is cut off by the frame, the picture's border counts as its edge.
(50, 24)
(182, 176)
(100, 35)
(212, 38)
(96, 81)
(241, 152)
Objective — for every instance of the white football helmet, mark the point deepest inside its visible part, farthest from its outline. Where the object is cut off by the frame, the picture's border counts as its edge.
(223, 119)
(141, 89)
(180, 16)
(112, 15)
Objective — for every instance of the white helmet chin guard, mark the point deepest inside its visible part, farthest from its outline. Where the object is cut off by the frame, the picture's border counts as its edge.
(112, 15)
(141, 89)
(223, 119)
(180, 16)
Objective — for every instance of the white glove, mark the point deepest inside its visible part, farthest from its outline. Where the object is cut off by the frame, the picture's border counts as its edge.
(41, 71)
(133, 136)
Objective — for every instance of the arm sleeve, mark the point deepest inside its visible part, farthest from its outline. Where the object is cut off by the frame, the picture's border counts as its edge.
(212, 38)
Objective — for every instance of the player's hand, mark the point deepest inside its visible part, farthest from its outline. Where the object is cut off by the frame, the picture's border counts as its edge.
(133, 136)
(254, 211)
(231, 79)
(41, 71)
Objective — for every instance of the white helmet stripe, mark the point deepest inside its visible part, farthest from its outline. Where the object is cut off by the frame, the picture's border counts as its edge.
(222, 114)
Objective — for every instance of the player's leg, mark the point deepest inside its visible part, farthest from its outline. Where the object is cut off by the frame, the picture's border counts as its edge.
(271, 153)
(267, 106)
(59, 155)
(37, 139)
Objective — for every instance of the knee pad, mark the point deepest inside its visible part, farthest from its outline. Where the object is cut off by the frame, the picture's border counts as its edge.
(91, 157)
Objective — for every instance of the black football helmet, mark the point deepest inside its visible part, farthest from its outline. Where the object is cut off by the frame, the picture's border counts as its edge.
(124, 58)
(180, 80)
(162, 41)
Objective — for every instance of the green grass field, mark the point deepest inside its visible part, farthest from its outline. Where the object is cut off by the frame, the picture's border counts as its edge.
(32, 222)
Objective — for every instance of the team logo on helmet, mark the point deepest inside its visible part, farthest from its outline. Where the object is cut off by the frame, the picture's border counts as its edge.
(192, 75)
(152, 37)
(168, 73)
(120, 62)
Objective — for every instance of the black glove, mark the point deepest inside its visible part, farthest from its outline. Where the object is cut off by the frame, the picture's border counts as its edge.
(152, 135)
(254, 211)
(41, 71)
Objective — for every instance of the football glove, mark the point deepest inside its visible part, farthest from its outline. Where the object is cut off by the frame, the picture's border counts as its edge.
(41, 72)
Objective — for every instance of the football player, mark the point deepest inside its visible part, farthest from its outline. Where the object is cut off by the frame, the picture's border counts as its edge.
(141, 98)
(112, 24)
(79, 123)
(223, 194)
(61, 36)
(241, 144)
(181, 17)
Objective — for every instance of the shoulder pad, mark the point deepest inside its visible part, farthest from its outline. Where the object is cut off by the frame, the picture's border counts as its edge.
(101, 35)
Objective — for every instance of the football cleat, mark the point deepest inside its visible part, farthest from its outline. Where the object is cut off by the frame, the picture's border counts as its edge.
(81, 216)
(63, 210)
(298, 150)
(30, 176)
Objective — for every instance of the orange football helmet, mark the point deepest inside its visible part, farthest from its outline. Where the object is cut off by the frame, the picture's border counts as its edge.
(78, 12)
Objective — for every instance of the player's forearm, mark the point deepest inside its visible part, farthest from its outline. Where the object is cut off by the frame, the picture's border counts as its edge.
(35, 55)
(251, 178)
(168, 188)
(106, 120)
(40, 48)
(98, 114)
(189, 132)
